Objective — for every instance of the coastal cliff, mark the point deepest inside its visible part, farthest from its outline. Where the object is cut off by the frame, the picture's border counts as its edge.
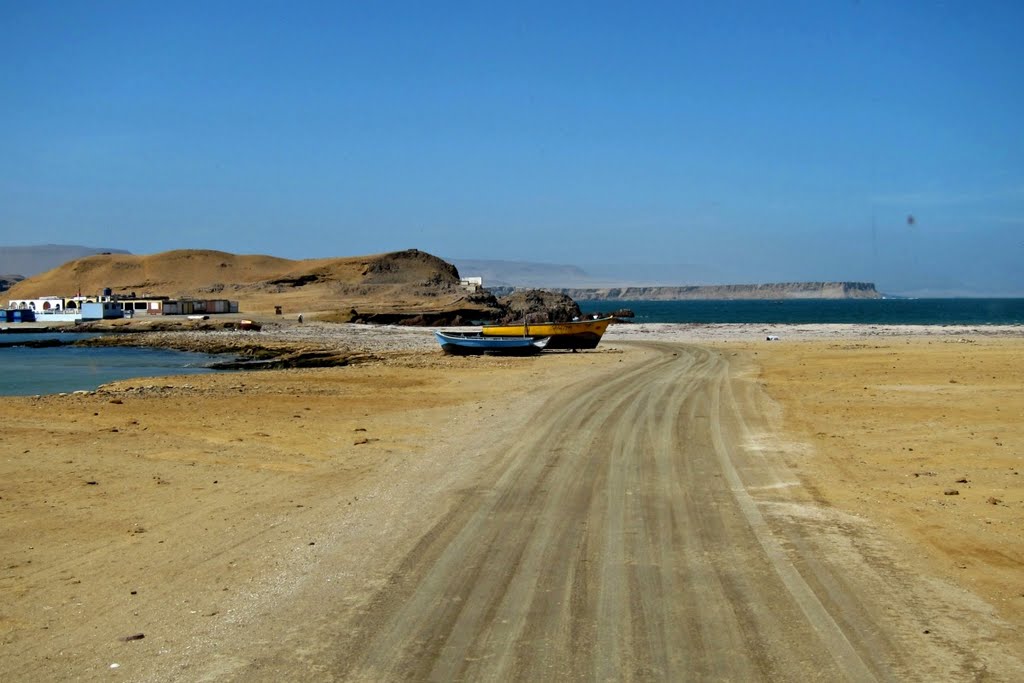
(779, 290)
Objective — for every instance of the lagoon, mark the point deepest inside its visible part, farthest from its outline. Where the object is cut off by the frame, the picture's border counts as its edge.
(29, 371)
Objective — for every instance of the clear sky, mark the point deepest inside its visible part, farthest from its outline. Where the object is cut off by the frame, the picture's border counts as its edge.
(684, 142)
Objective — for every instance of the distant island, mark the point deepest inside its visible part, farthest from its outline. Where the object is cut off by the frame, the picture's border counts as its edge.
(779, 290)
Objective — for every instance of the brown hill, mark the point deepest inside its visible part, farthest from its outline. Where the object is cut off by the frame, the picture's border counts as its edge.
(399, 284)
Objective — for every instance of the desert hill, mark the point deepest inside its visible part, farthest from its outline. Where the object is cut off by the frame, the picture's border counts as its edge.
(393, 284)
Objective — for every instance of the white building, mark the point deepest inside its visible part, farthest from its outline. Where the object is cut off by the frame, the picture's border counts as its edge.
(472, 284)
(101, 310)
(52, 304)
(55, 309)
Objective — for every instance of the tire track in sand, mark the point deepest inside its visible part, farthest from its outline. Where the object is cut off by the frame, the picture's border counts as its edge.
(616, 542)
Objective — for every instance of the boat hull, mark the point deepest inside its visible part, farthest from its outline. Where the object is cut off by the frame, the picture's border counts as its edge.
(477, 344)
(579, 334)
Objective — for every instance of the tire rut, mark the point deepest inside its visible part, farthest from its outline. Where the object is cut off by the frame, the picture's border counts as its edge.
(614, 540)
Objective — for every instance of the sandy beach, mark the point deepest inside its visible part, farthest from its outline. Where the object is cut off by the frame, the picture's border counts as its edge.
(321, 524)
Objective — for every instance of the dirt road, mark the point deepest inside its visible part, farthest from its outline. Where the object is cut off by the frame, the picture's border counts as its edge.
(642, 526)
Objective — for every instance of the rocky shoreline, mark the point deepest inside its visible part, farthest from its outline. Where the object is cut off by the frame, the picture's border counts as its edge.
(282, 344)
(319, 344)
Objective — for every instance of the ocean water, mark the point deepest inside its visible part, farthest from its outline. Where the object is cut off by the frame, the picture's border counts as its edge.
(808, 311)
(28, 371)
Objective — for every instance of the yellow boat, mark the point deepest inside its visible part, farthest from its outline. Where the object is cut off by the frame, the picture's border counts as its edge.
(579, 334)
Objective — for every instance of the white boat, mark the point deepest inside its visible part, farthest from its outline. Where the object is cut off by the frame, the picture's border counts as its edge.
(474, 343)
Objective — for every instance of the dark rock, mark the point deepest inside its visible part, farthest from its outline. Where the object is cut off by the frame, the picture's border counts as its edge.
(35, 344)
(538, 305)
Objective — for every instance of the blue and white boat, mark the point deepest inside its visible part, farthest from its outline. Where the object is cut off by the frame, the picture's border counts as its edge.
(474, 343)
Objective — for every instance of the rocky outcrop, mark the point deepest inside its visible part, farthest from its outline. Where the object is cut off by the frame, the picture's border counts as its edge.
(430, 319)
(781, 290)
(540, 305)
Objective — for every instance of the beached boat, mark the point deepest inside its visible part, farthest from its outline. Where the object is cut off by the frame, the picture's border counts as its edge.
(578, 334)
(463, 344)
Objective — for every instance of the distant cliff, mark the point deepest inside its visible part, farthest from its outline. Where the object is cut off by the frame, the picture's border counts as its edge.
(779, 290)
(8, 281)
(29, 261)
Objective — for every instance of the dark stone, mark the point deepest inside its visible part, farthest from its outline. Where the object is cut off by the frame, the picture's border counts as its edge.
(538, 305)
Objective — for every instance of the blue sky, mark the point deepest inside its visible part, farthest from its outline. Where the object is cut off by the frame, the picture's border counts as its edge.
(678, 142)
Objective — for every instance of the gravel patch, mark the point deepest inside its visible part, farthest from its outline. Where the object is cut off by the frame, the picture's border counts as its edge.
(386, 339)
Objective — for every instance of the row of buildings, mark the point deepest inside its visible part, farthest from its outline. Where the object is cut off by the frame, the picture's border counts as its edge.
(108, 305)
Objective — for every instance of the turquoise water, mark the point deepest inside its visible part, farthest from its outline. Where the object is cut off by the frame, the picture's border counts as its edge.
(806, 311)
(28, 371)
